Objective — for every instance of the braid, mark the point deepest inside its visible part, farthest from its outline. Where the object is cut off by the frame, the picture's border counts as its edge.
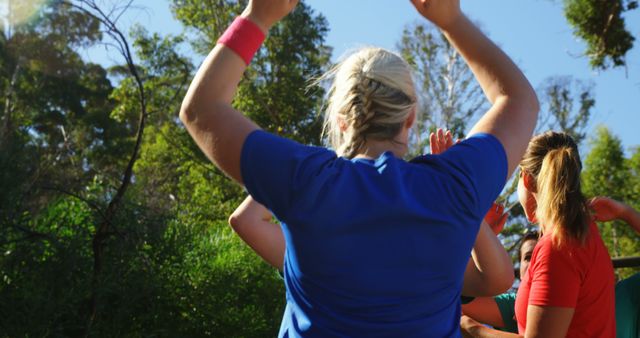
(370, 99)
(360, 113)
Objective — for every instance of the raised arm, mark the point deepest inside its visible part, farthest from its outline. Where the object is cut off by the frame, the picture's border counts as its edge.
(484, 310)
(218, 129)
(607, 209)
(471, 328)
(514, 110)
(252, 222)
(489, 271)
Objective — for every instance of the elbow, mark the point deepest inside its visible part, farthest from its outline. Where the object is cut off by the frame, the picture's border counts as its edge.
(534, 103)
(506, 281)
(235, 221)
(191, 107)
(525, 101)
(503, 281)
(496, 286)
(504, 278)
(186, 111)
(498, 282)
(530, 102)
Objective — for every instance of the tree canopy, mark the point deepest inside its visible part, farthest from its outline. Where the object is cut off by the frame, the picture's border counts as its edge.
(602, 26)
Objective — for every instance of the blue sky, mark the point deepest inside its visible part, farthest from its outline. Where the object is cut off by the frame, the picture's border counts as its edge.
(533, 32)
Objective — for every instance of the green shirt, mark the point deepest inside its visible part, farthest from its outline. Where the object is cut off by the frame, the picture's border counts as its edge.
(506, 304)
(628, 307)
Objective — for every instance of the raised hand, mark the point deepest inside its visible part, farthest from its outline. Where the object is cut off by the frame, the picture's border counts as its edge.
(265, 13)
(440, 141)
(496, 218)
(443, 13)
(606, 209)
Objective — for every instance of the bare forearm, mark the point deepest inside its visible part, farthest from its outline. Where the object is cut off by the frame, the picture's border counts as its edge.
(216, 81)
(471, 328)
(484, 310)
(490, 271)
(265, 239)
(252, 222)
(514, 111)
(218, 129)
(218, 77)
(481, 331)
(631, 217)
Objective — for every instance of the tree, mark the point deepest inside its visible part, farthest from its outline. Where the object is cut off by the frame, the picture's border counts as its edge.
(567, 105)
(449, 94)
(272, 92)
(606, 173)
(48, 88)
(601, 25)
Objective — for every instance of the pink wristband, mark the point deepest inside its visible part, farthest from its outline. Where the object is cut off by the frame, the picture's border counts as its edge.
(243, 37)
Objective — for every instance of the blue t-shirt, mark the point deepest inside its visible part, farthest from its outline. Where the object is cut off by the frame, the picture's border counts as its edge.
(375, 248)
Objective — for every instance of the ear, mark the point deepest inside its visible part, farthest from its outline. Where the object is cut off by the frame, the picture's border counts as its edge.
(529, 181)
(410, 119)
(342, 124)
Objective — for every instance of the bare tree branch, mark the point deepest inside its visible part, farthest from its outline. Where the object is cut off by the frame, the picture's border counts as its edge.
(103, 230)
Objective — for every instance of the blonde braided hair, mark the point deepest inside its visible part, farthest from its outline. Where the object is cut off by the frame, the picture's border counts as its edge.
(372, 95)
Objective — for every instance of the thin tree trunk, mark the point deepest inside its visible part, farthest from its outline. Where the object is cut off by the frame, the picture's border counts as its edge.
(6, 128)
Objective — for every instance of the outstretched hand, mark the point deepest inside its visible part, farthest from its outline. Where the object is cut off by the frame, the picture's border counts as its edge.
(440, 141)
(265, 13)
(443, 13)
(606, 209)
(496, 218)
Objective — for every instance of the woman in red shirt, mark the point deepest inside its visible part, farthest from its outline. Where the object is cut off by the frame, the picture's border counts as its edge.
(568, 290)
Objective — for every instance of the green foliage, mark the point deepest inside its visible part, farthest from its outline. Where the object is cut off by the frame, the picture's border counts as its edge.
(170, 266)
(273, 90)
(163, 277)
(44, 273)
(601, 25)
(608, 173)
(188, 279)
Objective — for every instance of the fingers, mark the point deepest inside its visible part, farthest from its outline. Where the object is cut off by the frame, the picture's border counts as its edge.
(593, 202)
(499, 208)
(496, 218)
(440, 141)
(433, 144)
(440, 137)
(449, 139)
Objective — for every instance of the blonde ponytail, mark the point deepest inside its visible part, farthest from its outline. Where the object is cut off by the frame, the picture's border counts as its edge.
(552, 159)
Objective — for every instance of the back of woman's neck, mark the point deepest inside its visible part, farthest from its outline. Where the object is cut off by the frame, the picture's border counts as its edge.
(374, 149)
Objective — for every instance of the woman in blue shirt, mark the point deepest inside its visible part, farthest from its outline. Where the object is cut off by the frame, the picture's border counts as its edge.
(375, 246)
(488, 272)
